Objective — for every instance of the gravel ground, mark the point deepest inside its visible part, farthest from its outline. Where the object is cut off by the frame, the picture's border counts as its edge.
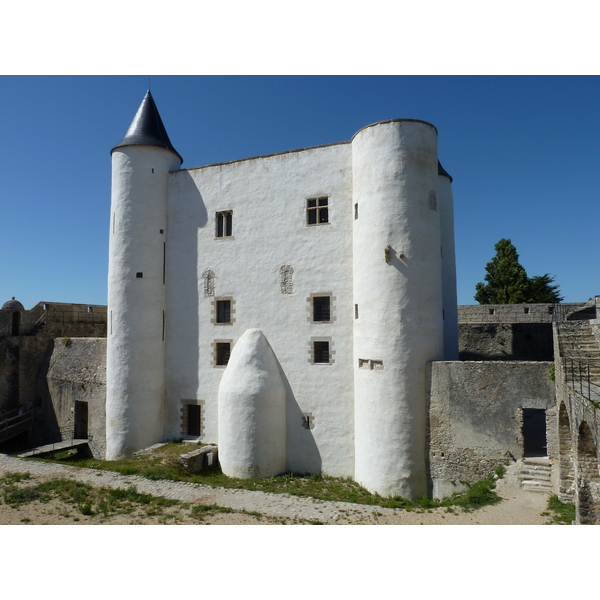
(517, 508)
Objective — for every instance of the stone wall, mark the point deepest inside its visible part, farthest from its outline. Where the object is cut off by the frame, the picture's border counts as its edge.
(506, 341)
(512, 313)
(476, 417)
(77, 383)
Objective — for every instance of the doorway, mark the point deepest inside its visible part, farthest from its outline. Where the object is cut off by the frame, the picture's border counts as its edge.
(193, 420)
(80, 428)
(534, 432)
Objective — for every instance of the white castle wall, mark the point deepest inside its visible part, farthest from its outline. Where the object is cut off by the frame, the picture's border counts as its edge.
(268, 198)
(378, 258)
(446, 209)
(135, 347)
(399, 301)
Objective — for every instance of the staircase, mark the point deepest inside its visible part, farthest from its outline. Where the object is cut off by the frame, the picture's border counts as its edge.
(580, 356)
(536, 475)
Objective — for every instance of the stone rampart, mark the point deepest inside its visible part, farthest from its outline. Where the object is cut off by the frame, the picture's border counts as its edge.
(77, 389)
(476, 417)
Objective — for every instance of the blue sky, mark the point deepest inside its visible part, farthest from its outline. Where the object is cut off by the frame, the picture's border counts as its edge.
(523, 152)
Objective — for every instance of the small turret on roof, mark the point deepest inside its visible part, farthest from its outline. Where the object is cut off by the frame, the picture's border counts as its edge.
(147, 128)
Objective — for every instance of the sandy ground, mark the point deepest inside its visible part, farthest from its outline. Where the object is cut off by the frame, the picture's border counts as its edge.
(518, 507)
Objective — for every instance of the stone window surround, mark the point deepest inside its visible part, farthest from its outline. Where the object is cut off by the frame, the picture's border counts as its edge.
(183, 404)
(370, 364)
(213, 310)
(214, 351)
(311, 350)
(308, 421)
(310, 308)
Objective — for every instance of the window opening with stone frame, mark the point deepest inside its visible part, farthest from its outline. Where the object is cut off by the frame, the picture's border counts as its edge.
(224, 224)
(317, 210)
(321, 352)
(321, 308)
(222, 353)
(223, 311)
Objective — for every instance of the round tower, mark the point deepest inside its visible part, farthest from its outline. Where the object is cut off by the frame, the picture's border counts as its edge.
(446, 208)
(136, 284)
(398, 324)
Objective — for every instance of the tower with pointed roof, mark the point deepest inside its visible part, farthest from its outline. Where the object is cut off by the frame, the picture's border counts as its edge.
(141, 163)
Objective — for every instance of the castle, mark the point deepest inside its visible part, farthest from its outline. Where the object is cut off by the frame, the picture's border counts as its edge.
(283, 306)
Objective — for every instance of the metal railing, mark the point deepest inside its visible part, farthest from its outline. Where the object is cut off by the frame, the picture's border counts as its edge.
(578, 373)
(12, 426)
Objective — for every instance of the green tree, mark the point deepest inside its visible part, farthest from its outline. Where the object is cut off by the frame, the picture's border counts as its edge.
(541, 289)
(507, 281)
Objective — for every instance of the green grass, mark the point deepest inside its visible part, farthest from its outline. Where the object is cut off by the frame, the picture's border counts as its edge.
(162, 464)
(560, 512)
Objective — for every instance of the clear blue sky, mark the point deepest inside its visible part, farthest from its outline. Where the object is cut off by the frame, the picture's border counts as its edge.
(523, 152)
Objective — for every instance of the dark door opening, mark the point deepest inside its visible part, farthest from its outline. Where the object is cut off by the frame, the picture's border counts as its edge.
(534, 432)
(193, 420)
(16, 323)
(80, 429)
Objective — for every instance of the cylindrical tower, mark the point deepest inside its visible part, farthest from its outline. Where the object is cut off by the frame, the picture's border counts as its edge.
(398, 323)
(136, 284)
(446, 208)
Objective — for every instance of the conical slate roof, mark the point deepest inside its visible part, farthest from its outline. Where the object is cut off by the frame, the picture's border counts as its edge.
(442, 171)
(147, 128)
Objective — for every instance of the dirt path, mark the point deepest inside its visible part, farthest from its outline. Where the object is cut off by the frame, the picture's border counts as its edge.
(517, 508)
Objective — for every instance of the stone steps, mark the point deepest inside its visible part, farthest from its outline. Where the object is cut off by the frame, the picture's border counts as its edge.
(536, 475)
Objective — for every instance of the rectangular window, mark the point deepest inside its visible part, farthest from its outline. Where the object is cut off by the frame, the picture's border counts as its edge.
(321, 352)
(321, 308)
(317, 210)
(223, 352)
(223, 311)
(224, 224)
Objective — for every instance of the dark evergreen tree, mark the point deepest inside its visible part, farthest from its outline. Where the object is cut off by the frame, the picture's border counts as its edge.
(541, 289)
(507, 281)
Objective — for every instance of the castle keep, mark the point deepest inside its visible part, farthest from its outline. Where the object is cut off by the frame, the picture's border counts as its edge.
(324, 278)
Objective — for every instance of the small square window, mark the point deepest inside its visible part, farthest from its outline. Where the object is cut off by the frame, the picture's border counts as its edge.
(317, 210)
(322, 308)
(139, 274)
(224, 224)
(223, 352)
(223, 311)
(321, 352)
(491, 311)
(526, 310)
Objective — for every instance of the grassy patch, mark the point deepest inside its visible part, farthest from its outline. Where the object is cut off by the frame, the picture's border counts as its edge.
(162, 464)
(560, 512)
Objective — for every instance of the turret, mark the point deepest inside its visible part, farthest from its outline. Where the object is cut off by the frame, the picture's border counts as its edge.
(141, 163)
(398, 325)
(450, 307)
